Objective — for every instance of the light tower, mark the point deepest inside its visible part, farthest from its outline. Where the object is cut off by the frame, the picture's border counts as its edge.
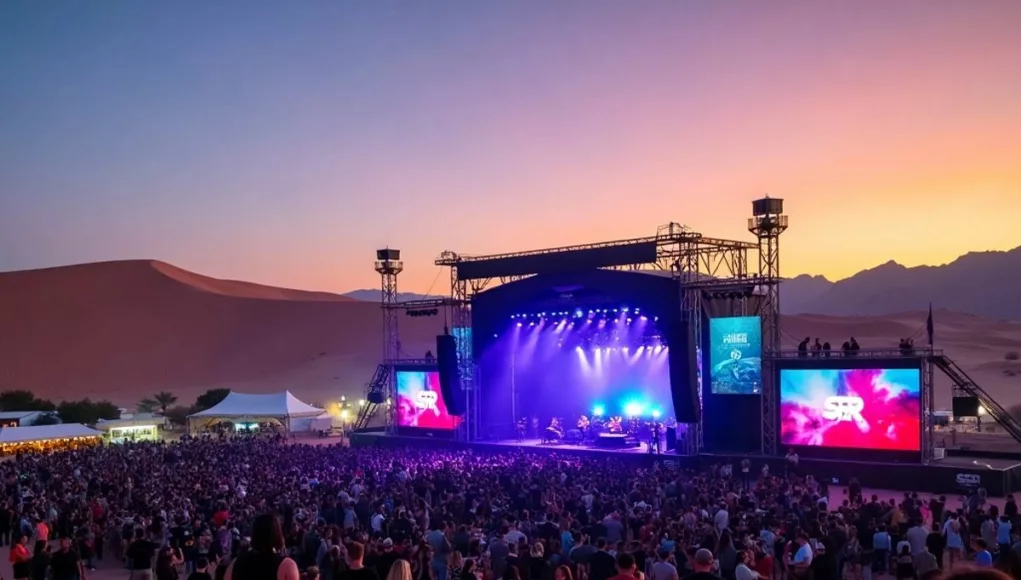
(381, 392)
(389, 265)
(767, 223)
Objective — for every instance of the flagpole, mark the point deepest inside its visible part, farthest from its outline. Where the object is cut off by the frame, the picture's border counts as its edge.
(929, 328)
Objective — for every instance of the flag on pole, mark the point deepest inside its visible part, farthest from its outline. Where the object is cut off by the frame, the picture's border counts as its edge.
(928, 324)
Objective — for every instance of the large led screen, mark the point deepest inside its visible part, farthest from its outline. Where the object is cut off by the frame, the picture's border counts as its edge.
(420, 401)
(735, 355)
(851, 408)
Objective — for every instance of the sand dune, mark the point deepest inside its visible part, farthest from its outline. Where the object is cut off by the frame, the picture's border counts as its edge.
(123, 330)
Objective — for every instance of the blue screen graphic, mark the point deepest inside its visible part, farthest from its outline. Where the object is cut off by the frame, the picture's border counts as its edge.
(735, 355)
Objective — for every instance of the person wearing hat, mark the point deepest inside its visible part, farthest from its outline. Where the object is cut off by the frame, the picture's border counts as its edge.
(702, 564)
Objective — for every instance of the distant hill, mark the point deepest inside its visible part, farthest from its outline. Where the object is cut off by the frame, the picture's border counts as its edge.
(374, 295)
(124, 330)
(985, 284)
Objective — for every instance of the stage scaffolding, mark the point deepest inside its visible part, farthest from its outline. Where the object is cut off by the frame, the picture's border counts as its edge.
(702, 267)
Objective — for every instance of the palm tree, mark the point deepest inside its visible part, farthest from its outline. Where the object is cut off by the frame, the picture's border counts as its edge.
(164, 400)
(147, 405)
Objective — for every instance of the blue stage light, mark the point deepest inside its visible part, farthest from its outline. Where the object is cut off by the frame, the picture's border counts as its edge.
(633, 409)
(655, 414)
(598, 411)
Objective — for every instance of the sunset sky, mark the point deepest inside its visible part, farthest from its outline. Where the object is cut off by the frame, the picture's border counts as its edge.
(283, 142)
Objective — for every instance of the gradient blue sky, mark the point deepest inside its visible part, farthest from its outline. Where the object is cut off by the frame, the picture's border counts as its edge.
(282, 142)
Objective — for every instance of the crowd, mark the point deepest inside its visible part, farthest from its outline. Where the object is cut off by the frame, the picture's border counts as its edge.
(262, 508)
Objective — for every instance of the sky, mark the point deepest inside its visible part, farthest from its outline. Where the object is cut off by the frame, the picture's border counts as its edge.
(284, 142)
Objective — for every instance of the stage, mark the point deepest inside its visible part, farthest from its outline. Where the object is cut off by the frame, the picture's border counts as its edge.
(952, 475)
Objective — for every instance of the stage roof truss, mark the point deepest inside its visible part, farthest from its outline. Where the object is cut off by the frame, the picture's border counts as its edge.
(678, 249)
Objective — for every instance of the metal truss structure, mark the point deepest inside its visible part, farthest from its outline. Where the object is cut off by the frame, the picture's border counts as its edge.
(388, 265)
(701, 266)
(767, 223)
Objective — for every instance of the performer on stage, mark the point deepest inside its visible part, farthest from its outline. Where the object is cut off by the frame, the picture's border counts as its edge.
(554, 432)
(615, 425)
(535, 426)
(521, 428)
(655, 437)
(583, 426)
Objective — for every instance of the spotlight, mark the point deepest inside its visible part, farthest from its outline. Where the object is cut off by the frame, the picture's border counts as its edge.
(531, 324)
(519, 325)
(598, 411)
(629, 321)
(633, 409)
(655, 414)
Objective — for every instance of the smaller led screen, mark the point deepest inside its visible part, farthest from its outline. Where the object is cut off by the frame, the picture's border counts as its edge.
(420, 401)
(735, 355)
(875, 409)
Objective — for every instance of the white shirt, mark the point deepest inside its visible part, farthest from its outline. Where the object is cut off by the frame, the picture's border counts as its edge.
(722, 520)
(377, 522)
(743, 572)
(803, 555)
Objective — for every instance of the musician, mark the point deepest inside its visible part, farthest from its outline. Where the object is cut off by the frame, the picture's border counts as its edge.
(522, 427)
(655, 437)
(615, 425)
(554, 432)
(535, 426)
(583, 426)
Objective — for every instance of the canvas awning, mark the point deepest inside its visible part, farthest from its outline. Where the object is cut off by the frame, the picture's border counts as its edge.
(10, 435)
(276, 405)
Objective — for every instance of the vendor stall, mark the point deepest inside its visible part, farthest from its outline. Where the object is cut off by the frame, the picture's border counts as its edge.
(46, 438)
(133, 429)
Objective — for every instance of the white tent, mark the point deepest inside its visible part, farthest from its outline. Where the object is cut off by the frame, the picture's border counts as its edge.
(322, 422)
(282, 406)
(14, 435)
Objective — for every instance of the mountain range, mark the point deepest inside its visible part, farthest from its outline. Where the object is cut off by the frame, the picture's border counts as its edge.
(985, 284)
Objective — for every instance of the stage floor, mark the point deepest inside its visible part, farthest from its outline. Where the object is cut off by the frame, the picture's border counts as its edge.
(537, 443)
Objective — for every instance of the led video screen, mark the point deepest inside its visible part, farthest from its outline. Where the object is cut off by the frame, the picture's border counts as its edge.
(876, 409)
(735, 355)
(420, 401)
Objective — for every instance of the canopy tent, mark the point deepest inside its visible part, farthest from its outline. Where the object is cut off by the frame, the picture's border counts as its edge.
(15, 435)
(282, 406)
(323, 422)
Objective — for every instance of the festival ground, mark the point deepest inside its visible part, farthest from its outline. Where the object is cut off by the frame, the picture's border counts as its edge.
(953, 474)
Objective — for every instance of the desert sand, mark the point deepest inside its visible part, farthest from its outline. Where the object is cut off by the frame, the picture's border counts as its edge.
(124, 330)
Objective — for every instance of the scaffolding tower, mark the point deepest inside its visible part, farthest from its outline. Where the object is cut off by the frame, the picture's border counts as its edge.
(767, 223)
